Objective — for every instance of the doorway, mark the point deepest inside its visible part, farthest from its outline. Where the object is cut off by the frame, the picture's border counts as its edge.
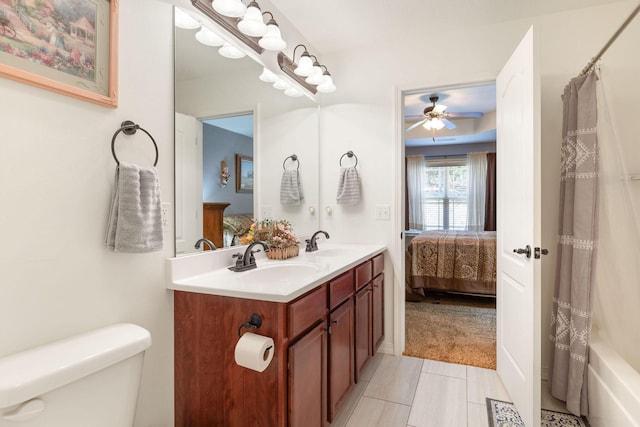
(449, 136)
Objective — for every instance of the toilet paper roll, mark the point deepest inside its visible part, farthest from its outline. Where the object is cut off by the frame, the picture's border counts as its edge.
(254, 351)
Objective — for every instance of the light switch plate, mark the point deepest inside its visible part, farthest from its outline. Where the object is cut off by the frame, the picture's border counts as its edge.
(165, 212)
(383, 212)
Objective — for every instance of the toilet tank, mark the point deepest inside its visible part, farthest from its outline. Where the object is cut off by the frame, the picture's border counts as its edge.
(86, 380)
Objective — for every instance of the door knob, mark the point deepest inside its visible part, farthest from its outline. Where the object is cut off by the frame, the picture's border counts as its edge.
(526, 251)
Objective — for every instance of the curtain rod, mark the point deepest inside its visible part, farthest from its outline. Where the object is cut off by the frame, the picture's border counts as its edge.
(613, 38)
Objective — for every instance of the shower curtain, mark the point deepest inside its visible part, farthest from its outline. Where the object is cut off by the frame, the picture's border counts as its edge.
(571, 315)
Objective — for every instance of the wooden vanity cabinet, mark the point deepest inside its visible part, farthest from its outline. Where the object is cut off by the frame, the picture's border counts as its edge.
(321, 340)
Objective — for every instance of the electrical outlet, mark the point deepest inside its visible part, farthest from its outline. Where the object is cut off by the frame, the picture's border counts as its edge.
(383, 212)
(164, 214)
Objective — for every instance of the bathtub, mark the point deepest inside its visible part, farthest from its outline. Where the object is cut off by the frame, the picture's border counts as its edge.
(614, 388)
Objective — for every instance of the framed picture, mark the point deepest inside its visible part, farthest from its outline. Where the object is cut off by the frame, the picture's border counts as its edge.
(244, 174)
(68, 47)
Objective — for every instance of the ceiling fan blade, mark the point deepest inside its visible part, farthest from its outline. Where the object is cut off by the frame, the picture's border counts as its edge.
(463, 115)
(449, 125)
(439, 109)
(415, 125)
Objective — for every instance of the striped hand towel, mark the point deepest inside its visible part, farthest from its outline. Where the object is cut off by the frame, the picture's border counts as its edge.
(135, 223)
(291, 188)
(348, 187)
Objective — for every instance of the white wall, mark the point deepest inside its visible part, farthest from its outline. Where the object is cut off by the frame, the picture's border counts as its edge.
(360, 116)
(56, 277)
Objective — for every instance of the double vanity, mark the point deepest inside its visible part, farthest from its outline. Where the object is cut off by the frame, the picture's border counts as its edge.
(323, 310)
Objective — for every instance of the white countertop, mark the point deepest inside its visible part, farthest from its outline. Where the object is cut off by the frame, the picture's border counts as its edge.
(273, 280)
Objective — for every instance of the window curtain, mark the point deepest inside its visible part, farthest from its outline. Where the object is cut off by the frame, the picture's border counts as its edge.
(415, 172)
(571, 314)
(477, 172)
(490, 197)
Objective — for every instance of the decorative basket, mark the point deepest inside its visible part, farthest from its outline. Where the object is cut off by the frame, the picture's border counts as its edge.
(284, 253)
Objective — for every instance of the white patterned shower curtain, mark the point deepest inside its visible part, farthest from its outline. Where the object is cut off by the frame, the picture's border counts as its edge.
(571, 315)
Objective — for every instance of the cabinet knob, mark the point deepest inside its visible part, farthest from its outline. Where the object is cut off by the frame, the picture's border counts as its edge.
(335, 321)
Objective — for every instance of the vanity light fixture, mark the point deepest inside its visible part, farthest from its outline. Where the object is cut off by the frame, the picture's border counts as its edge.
(185, 21)
(293, 92)
(252, 23)
(305, 64)
(327, 85)
(272, 39)
(316, 76)
(268, 76)
(281, 85)
(230, 8)
(232, 52)
(208, 37)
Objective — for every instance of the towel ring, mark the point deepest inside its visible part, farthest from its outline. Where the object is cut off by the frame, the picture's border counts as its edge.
(293, 158)
(129, 128)
(349, 154)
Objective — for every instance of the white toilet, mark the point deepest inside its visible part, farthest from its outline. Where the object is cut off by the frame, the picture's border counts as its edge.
(89, 380)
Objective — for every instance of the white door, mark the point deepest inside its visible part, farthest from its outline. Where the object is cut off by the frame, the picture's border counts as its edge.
(518, 216)
(188, 171)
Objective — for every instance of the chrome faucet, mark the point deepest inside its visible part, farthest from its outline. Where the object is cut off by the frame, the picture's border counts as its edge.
(212, 247)
(247, 261)
(312, 244)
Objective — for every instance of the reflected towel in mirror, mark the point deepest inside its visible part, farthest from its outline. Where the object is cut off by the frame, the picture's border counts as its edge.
(135, 221)
(291, 188)
(348, 187)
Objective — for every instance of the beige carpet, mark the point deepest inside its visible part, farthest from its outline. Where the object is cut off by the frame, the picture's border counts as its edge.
(458, 330)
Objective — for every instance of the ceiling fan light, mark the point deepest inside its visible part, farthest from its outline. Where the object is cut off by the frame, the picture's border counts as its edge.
(427, 125)
(252, 23)
(437, 123)
(305, 65)
(272, 40)
(293, 92)
(230, 8)
(281, 85)
(184, 20)
(232, 52)
(209, 38)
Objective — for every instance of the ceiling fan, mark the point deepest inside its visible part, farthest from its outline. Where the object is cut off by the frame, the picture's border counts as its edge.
(435, 117)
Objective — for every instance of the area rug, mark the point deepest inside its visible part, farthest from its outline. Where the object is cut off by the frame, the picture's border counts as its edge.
(505, 414)
(450, 333)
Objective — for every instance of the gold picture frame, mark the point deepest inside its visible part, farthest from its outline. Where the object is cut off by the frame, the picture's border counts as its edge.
(70, 48)
(244, 174)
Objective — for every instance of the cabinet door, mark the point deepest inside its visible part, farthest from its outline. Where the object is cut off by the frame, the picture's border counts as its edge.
(341, 356)
(308, 379)
(364, 345)
(378, 311)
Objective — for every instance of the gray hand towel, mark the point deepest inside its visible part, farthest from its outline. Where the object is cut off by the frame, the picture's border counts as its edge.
(291, 188)
(348, 187)
(135, 223)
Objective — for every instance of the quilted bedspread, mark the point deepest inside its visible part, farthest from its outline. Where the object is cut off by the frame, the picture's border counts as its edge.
(465, 255)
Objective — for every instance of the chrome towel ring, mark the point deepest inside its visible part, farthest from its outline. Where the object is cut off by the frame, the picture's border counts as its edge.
(129, 128)
(349, 154)
(293, 158)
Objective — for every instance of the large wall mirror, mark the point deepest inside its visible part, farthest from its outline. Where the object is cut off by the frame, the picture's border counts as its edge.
(234, 137)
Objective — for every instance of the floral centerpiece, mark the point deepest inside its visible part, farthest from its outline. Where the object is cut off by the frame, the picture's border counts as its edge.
(277, 234)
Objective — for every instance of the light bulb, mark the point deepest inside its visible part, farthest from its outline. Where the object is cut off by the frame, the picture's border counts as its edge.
(268, 76)
(272, 40)
(208, 37)
(184, 20)
(316, 76)
(437, 124)
(305, 65)
(293, 92)
(231, 52)
(252, 23)
(281, 85)
(230, 8)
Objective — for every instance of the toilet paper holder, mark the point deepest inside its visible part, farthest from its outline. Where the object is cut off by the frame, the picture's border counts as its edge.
(255, 321)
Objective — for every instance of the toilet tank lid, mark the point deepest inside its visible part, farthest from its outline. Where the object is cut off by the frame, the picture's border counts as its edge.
(33, 372)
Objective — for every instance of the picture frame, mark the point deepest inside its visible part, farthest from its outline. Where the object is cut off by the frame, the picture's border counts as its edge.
(70, 48)
(244, 174)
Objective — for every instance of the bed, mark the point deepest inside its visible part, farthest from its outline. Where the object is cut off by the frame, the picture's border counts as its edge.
(452, 261)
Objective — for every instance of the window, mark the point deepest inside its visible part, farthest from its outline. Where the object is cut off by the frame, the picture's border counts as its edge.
(445, 193)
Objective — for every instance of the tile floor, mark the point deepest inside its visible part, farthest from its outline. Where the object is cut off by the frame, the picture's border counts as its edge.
(410, 392)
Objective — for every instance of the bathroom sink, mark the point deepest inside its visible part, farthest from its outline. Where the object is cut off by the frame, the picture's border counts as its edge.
(275, 272)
